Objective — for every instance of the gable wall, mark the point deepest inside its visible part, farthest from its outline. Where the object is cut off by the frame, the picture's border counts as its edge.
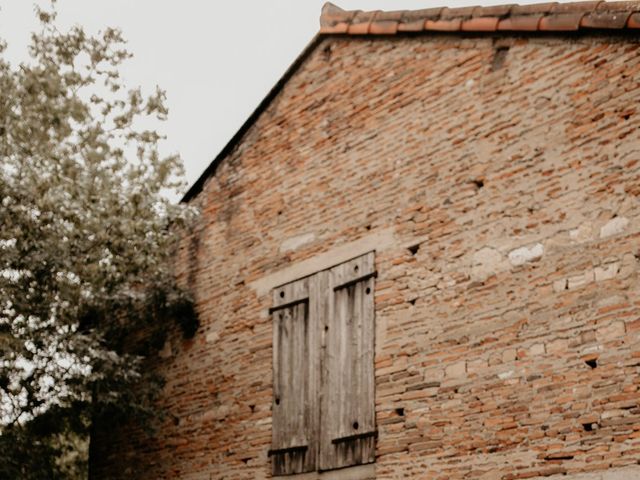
(519, 179)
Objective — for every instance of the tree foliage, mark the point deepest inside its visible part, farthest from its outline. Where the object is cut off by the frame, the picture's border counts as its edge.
(86, 239)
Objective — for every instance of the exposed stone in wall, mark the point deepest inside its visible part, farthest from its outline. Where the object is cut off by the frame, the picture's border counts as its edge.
(522, 255)
(487, 262)
(505, 209)
(614, 226)
(296, 242)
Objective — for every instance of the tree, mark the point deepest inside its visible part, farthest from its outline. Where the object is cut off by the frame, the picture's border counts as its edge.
(86, 240)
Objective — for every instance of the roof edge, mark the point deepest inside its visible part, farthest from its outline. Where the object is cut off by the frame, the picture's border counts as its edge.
(543, 17)
(198, 185)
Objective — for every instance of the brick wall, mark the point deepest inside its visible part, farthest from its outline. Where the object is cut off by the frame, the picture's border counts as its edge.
(504, 176)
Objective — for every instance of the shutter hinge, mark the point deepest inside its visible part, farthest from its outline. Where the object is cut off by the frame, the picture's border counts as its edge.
(357, 436)
(373, 274)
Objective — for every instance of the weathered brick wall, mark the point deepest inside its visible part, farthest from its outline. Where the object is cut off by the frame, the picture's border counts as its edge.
(506, 172)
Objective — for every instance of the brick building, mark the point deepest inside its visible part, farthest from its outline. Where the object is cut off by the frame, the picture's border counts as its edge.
(419, 258)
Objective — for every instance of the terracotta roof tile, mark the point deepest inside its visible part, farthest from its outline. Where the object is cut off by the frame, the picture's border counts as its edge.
(634, 21)
(386, 23)
(422, 14)
(605, 19)
(390, 16)
(334, 20)
(524, 23)
(597, 14)
(411, 25)
(361, 22)
(617, 6)
(494, 11)
(576, 7)
(414, 20)
(452, 25)
(560, 22)
(460, 12)
(384, 27)
(332, 14)
(481, 24)
(340, 27)
(532, 9)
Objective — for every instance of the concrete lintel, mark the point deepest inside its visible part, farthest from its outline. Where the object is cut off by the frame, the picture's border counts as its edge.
(380, 240)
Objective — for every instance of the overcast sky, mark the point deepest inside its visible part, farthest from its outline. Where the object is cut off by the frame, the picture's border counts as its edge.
(215, 59)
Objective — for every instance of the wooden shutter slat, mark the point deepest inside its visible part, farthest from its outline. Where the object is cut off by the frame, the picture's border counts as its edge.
(348, 377)
(294, 444)
(319, 307)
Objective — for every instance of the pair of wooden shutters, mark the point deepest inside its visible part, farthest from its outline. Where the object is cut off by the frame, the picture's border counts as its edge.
(323, 381)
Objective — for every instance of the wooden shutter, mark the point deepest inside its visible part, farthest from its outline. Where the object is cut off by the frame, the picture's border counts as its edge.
(348, 428)
(295, 376)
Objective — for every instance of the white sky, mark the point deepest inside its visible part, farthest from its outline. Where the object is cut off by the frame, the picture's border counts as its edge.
(215, 59)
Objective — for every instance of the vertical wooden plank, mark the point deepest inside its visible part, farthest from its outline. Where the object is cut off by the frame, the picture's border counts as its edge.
(348, 414)
(368, 369)
(276, 431)
(319, 309)
(293, 448)
(328, 390)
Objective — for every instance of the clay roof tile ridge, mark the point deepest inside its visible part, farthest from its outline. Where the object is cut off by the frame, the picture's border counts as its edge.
(553, 16)
(331, 8)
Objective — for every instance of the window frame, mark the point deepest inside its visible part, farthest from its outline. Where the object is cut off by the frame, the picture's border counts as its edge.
(334, 442)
